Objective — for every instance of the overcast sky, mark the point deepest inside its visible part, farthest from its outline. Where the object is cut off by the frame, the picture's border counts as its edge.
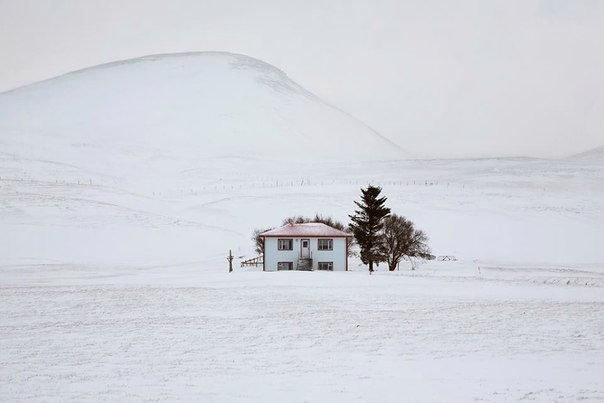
(441, 78)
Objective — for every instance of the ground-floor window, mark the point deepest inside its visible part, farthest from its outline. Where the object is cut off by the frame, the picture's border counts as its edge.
(285, 266)
(325, 266)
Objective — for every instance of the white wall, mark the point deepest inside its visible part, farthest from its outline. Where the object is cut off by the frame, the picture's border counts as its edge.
(337, 255)
(272, 256)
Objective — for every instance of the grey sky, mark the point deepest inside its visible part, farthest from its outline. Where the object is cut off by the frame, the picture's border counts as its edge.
(441, 78)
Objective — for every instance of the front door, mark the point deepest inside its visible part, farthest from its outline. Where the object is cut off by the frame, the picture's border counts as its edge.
(305, 246)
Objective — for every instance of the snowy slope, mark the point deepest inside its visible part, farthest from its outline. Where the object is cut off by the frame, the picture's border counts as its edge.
(185, 107)
(493, 211)
(595, 154)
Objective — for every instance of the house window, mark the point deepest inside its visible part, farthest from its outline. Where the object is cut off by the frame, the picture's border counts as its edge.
(325, 244)
(325, 266)
(285, 244)
(285, 266)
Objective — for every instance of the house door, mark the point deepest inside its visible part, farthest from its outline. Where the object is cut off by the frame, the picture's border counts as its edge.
(305, 246)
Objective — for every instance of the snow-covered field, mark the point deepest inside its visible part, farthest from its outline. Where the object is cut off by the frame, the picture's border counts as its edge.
(445, 332)
(545, 212)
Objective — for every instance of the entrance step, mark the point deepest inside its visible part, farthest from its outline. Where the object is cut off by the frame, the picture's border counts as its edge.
(304, 264)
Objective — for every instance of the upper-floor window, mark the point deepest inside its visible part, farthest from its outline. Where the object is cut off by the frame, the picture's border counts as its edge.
(285, 244)
(325, 244)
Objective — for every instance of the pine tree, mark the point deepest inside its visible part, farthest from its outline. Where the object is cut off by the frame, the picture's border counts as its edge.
(367, 222)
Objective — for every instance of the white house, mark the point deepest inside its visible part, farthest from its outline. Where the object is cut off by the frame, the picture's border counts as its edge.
(309, 246)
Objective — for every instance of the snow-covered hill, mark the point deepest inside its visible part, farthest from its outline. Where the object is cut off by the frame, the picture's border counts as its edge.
(189, 106)
(595, 154)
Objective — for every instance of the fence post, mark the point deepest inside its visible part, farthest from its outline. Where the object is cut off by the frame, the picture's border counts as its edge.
(230, 259)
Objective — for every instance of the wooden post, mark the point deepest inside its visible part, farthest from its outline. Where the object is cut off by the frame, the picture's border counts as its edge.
(230, 259)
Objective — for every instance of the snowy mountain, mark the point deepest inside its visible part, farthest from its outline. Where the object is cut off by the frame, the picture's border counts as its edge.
(184, 106)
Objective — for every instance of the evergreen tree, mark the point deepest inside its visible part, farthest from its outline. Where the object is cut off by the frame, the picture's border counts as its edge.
(367, 223)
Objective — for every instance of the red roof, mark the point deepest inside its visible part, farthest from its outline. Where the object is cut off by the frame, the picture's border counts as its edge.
(311, 229)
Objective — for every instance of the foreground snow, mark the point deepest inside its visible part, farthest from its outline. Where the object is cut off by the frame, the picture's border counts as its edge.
(446, 332)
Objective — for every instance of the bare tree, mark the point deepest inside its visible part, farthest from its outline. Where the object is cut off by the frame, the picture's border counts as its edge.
(295, 220)
(317, 218)
(400, 240)
(258, 240)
